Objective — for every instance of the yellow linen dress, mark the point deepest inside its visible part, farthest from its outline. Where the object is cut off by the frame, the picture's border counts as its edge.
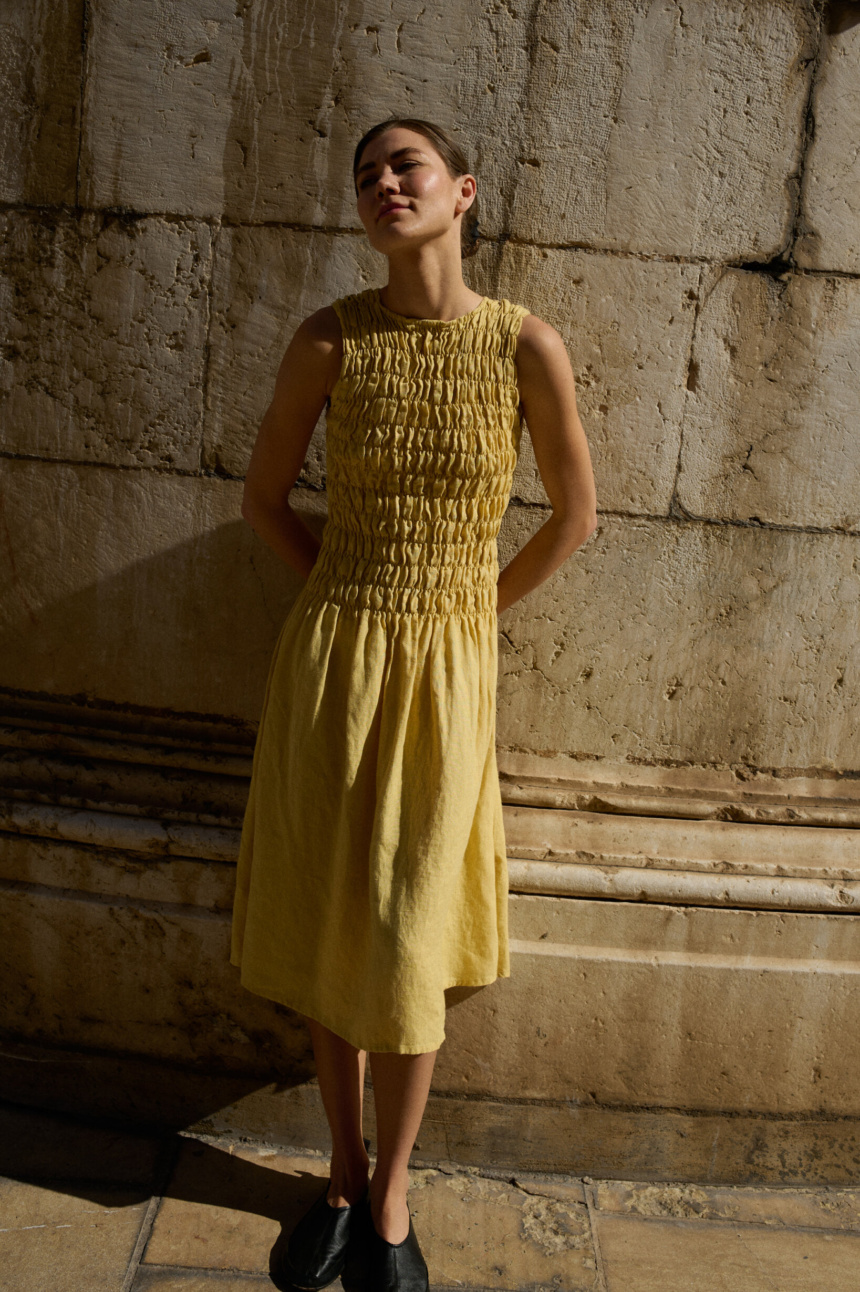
(372, 869)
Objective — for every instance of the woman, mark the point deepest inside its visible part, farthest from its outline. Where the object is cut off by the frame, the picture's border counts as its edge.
(372, 872)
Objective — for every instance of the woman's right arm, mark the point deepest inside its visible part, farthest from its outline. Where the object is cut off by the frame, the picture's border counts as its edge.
(305, 379)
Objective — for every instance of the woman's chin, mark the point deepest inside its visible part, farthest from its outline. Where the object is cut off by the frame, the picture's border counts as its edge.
(397, 242)
(392, 244)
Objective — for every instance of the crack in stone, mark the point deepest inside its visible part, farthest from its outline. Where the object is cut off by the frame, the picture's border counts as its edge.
(692, 369)
(799, 224)
(85, 32)
(206, 283)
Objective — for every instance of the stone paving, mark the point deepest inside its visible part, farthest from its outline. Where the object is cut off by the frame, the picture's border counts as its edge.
(85, 1208)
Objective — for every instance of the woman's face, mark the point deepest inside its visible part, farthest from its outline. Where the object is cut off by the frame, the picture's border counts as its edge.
(405, 195)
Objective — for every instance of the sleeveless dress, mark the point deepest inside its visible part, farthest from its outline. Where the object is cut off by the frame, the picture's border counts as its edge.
(372, 869)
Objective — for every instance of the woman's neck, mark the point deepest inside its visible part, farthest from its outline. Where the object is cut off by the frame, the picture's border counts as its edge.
(427, 289)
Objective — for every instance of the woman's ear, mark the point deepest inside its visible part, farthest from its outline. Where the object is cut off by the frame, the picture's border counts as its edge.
(468, 189)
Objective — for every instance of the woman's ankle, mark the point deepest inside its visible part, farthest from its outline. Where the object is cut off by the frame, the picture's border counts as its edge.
(389, 1187)
(348, 1180)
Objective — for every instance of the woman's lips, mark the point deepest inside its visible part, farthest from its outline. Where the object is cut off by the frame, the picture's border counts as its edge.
(388, 209)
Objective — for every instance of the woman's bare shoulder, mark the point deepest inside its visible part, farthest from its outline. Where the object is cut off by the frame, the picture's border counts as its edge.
(537, 336)
(315, 352)
(539, 346)
(321, 329)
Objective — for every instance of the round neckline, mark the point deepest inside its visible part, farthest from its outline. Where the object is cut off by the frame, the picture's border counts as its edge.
(407, 318)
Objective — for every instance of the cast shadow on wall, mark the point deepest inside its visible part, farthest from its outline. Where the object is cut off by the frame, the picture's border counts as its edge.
(135, 710)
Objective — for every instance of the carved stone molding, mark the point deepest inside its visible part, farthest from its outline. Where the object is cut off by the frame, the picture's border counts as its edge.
(175, 786)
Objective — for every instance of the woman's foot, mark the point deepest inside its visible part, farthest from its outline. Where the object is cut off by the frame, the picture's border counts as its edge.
(396, 1266)
(314, 1253)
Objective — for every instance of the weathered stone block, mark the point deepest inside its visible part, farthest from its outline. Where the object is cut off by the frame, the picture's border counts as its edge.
(616, 1003)
(265, 282)
(275, 1189)
(106, 338)
(161, 96)
(68, 1236)
(770, 428)
(232, 113)
(40, 94)
(153, 978)
(670, 1255)
(130, 586)
(787, 1208)
(830, 221)
(711, 644)
(106, 874)
(643, 127)
(635, 135)
(627, 325)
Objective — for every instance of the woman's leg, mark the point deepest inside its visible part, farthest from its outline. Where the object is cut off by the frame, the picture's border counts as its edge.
(340, 1072)
(401, 1084)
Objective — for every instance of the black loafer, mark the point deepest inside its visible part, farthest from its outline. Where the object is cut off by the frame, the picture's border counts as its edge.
(394, 1267)
(315, 1252)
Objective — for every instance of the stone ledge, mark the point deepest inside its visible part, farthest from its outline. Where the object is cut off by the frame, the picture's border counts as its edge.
(610, 1143)
(794, 796)
(70, 728)
(171, 786)
(657, 878)
(682, 888)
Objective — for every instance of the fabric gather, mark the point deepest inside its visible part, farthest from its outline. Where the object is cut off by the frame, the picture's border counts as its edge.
(423, 432)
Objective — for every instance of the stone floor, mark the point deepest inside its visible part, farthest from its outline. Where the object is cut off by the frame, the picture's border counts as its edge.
(89, 1209)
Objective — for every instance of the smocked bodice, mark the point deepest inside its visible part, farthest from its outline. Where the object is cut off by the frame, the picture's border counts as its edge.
(422, 435)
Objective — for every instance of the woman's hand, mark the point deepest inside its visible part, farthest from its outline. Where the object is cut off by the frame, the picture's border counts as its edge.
(305, 379)
(548, 398)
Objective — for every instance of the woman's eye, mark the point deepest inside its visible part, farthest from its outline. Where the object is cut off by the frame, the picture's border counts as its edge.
(371, 179)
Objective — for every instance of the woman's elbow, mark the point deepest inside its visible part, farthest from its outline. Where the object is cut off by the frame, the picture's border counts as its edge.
(579, 527)
(583, 532)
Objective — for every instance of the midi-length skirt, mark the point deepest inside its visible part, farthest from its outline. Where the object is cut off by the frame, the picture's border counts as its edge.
(372, 871)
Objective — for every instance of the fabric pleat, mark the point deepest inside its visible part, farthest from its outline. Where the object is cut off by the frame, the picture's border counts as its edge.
(372, 869)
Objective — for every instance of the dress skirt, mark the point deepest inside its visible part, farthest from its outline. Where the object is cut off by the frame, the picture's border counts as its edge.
(374, 831)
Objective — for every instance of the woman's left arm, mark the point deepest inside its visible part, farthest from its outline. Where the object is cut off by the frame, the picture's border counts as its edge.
(548, 398)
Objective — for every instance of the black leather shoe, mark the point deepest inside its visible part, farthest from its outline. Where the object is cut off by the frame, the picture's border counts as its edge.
(315, 1252)
(353, 1276)
(394, 1267)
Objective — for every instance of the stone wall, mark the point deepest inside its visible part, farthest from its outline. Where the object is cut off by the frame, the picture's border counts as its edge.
(675, 187)
(671, 186)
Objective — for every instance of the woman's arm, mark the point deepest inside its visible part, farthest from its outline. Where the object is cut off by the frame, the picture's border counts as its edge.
(305, 379)
(548, 398)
